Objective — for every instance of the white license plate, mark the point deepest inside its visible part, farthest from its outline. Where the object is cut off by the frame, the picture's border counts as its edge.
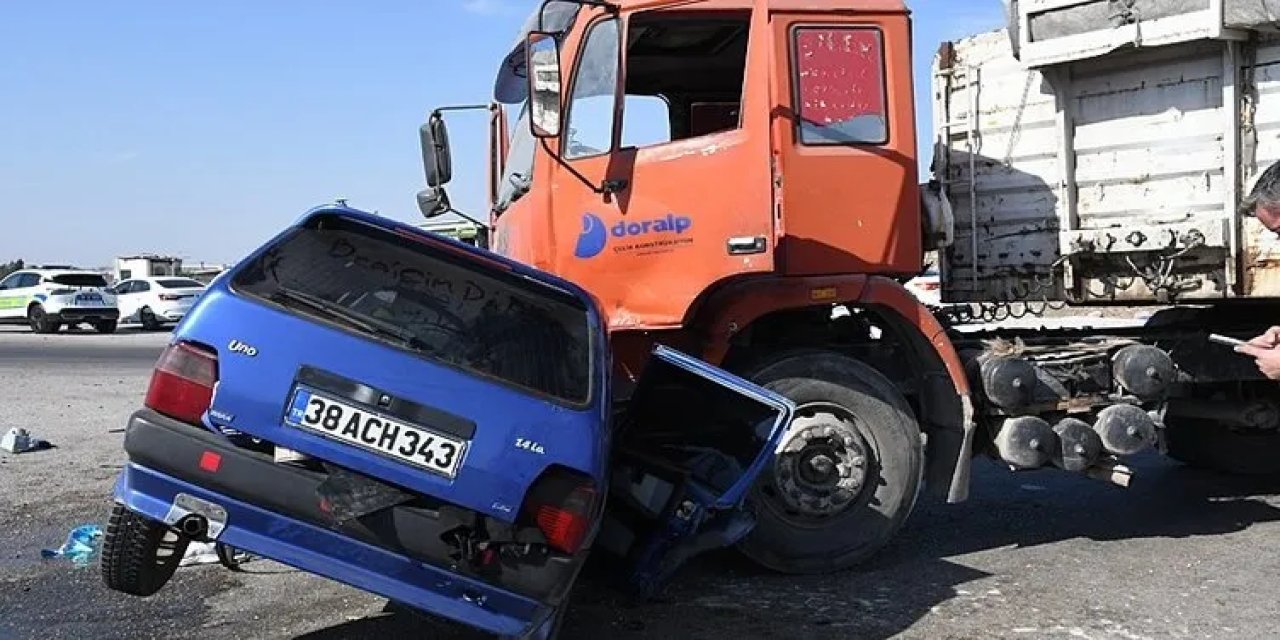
(374, 432)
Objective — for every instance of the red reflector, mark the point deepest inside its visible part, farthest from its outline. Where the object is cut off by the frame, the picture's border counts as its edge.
(210, 461)
(182, 383)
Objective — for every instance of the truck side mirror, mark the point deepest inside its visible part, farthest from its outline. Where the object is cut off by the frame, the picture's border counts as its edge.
(436, 157)
(542, 63)
(433, 202)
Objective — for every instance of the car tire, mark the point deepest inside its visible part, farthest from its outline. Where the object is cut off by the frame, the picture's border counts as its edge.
(139, 555)
(801, 530)
(41, 321)
(106, 326)
(149, 320)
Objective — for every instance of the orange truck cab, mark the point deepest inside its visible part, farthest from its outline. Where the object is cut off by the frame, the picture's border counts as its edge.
(738, 179)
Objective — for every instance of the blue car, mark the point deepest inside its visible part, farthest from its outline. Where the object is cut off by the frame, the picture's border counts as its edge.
(430, 422)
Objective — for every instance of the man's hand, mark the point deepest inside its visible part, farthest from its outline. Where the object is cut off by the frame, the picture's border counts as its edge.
(1267, 358)
(1268, 340)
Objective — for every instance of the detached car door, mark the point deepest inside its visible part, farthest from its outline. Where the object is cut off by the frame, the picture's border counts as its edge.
(690, 443)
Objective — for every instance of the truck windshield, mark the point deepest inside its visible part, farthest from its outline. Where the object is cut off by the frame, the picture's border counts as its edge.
(511, 89)
(403, 291)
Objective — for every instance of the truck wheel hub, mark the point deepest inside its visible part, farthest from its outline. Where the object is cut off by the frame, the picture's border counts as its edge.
(822, 466)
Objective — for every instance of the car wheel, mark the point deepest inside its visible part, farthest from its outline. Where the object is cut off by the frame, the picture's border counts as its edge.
(849, 473)
(41, 321)
(149, 320)
(106, 326)
(139, 555)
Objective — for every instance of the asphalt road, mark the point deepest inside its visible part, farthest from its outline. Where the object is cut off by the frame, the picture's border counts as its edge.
(1181, 554)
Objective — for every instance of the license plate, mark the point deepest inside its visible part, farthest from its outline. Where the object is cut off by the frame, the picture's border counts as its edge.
(88, 298)
(375, 432)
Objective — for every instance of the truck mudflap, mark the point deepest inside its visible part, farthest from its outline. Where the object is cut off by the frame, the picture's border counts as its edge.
(691, 442)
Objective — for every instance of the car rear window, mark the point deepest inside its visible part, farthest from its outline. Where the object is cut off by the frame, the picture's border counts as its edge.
(465, 313)
(79, 280)
(178, 283)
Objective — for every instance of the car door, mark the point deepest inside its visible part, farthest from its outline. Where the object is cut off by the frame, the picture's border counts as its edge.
(689, 445)
(125, 299)
(12, 301)
(141, 296)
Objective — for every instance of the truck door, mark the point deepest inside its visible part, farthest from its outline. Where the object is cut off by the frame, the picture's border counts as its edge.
(690, 443)
(846, 143)
(669, 109)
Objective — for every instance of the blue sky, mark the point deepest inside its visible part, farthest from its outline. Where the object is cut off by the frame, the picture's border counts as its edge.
(202, 129)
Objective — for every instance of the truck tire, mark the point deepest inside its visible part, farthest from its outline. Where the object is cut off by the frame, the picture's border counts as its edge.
(854, 417)
(1213, 447)
(139, 555)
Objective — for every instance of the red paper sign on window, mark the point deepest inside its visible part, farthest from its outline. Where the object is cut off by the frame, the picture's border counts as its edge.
(840, 85)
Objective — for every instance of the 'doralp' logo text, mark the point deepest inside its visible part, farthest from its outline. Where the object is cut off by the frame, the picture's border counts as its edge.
(633, 236)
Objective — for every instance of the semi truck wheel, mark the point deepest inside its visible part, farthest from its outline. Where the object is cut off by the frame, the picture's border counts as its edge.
(1214, 447)
(848, 474)
(139, 555)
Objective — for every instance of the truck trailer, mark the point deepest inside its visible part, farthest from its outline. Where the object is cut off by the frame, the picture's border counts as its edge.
(765, 217)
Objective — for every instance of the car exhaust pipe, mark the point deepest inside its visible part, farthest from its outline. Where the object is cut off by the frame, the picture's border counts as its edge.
(193, 526)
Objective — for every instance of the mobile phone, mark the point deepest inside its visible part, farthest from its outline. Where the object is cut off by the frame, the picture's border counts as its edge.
(1224, 340)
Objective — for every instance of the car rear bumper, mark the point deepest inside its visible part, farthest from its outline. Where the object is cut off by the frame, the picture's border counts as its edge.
(86, 314)
(273, 511)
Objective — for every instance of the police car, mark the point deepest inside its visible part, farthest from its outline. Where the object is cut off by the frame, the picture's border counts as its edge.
(49, 297)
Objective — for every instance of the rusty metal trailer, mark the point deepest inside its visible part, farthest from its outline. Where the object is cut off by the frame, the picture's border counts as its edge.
(1096, 153)
(1104, 163)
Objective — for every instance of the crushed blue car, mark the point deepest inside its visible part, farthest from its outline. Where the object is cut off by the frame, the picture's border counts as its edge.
(430, 422)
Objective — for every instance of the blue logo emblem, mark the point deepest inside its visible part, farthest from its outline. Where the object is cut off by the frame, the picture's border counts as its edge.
(593, 237)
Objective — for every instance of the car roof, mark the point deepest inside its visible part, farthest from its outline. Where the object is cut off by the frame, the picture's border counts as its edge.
(154, 278)
(63, 272)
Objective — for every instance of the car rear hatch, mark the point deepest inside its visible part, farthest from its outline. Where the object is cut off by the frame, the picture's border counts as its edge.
(431, 366)
(78, 289)
(179, 291)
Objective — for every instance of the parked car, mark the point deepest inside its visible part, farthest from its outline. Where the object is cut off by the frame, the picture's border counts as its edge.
(927, 287)
(47, 299)
(430, 422)
(156, 301)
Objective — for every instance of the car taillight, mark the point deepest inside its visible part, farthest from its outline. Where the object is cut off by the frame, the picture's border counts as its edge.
(563, 504)
(182, 383)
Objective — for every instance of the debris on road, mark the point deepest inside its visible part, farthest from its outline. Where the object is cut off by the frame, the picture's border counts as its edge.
(199, 553)
(17, 440)
(82, 546)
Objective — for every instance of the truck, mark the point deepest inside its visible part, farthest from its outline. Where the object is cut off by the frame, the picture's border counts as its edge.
(738, 179)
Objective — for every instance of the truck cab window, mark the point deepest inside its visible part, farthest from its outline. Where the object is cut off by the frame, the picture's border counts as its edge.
(589, 127)
(839, 81)
(685, 74)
